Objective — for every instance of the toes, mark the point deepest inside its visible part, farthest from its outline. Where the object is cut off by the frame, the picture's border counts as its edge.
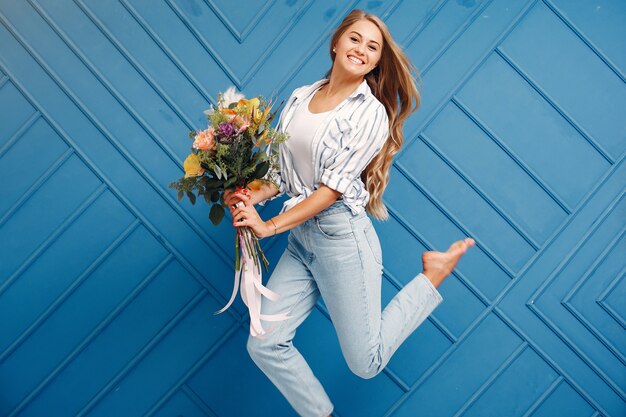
(456, 246)
(462, 245)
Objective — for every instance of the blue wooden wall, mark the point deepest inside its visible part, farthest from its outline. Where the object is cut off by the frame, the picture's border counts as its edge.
(108, 284)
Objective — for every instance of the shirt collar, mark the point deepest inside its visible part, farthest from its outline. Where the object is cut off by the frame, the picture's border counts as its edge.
(362, 90)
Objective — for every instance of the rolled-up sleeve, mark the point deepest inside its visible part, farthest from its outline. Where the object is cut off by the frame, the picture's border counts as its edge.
(349, 163)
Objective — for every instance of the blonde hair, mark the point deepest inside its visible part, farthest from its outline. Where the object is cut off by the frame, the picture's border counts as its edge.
(393, 85)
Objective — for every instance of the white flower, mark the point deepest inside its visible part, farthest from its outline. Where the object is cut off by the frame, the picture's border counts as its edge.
(231, 96)
(210, 110)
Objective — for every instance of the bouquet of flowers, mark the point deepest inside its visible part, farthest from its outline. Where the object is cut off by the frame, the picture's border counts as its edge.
(235, 152)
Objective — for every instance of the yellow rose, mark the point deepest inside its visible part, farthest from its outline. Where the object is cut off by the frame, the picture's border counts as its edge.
(192, 166)
(252, 104)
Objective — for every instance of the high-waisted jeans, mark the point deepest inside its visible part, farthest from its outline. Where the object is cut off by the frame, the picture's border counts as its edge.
(337, 255)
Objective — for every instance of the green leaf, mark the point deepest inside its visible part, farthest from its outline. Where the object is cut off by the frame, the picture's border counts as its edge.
(180, 195)
(207, 198)
(231, 181)
(192, 197)
(215, 196)
(212, 183)
(216, 214)
(261, 169)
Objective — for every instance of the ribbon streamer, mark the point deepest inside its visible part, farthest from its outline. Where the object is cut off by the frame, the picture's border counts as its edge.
(248, 279)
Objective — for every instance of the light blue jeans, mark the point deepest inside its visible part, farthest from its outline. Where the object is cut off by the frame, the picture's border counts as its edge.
(336, 255)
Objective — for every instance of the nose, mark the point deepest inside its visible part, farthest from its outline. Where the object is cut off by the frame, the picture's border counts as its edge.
(359, 50)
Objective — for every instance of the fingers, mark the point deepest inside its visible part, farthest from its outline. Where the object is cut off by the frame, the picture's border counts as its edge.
(236, 197)
(240, 212)
(233, 199)
(238, 216)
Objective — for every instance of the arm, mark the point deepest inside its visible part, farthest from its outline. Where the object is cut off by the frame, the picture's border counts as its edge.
(339, 172)
(319, 200)
(265, 191)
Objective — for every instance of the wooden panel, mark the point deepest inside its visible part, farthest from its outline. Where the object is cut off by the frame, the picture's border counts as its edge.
(108, 283)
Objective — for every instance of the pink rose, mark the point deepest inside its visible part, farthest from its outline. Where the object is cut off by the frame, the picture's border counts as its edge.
(204, 140)
(242, 123)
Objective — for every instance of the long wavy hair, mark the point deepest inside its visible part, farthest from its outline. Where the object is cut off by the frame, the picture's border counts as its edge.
(394, 86)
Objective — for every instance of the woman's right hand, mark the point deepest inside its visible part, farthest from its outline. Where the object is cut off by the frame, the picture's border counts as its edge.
(256, 195)
(231, 199)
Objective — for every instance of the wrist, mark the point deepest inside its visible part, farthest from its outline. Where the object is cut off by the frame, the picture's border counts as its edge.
(271, 227)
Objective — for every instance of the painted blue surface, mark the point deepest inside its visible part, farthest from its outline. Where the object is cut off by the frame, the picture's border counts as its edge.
(108, 283)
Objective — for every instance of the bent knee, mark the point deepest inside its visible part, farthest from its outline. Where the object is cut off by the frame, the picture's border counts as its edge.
(365, 371)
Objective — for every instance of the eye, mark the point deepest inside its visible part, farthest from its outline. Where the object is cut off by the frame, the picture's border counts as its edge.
(372, 48)
(353, 38)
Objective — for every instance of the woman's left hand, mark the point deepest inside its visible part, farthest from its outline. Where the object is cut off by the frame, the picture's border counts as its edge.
(246, 215)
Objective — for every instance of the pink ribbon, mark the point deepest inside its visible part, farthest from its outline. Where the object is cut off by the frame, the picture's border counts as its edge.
(248, 277)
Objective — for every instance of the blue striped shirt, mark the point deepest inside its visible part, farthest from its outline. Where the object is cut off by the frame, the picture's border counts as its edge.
(346, 141)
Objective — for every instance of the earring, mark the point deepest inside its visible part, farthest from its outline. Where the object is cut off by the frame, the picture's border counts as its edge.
(333, 49)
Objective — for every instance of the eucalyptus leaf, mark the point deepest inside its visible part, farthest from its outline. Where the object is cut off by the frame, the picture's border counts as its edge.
(180, 195)
(215, 196)
(192, 197)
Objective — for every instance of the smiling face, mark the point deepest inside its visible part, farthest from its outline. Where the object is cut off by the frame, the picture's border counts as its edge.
(359, 48)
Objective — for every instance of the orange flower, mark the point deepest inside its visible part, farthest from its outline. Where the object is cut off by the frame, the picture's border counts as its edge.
(229, 113)
(205, 140)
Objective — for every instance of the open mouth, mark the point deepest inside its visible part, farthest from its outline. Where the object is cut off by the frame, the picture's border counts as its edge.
(355, 60)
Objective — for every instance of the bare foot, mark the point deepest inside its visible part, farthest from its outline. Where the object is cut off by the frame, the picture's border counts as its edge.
(438, 265)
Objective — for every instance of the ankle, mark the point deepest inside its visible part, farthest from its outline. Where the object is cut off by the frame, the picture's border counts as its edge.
(436, 278)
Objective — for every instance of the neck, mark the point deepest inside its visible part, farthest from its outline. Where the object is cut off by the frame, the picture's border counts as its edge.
(340, 85)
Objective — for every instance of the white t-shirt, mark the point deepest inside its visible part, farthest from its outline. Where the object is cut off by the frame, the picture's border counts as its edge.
(301, 130)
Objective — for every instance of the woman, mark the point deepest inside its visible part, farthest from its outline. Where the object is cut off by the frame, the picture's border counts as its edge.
(344, 131)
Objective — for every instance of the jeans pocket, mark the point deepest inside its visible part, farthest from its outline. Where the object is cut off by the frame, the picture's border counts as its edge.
(334, 226)
(374, 242)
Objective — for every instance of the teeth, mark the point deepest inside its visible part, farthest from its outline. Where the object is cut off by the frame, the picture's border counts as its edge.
(355, 60)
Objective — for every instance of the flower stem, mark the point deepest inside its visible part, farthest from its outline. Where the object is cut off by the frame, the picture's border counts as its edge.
(260, 252)
(237, 251)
